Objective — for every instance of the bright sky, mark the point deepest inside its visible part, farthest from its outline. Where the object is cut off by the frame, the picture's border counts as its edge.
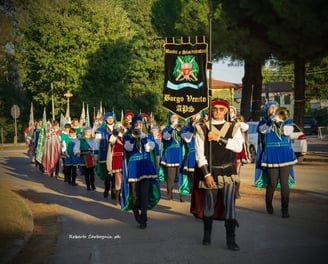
(221, 71)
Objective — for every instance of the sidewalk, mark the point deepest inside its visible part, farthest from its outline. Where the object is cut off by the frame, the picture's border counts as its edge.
(317, 150)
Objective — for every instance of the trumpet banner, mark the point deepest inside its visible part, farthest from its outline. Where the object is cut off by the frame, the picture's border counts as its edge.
(185, 90)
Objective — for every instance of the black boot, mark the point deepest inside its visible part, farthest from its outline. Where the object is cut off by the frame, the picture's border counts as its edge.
(87, 182)
(268, 203)
(284, 207)
(136, 215)
(143, 220)
(117, 196)
(230, 225)
(92, 181)
(107, 187)
(207, 230)
(112, 191)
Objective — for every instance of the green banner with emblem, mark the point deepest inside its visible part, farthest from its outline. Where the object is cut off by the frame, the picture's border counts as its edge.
(185, 90)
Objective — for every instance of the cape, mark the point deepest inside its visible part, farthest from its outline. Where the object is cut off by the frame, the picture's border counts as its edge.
(198, 199)
(51, 153)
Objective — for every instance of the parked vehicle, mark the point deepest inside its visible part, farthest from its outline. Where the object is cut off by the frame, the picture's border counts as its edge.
(297, 138)
(310, 125)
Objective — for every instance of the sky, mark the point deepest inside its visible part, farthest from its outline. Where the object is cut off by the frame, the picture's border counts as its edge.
(221, 71)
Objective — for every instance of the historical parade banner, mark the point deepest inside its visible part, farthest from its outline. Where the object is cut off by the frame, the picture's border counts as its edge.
(185, 90)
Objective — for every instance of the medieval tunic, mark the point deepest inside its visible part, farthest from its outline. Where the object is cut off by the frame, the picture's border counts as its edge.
(171, 149)
(274, 151)
(115, 154)
(223, 168)
(138, 168)
(140, 165)
(277, 149)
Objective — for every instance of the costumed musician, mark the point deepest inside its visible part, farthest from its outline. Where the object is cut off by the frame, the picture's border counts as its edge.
(171, 157)
(213, 192)
(275, 158)
(103, 134)
(85, 149)
(140, 190)
(115, 158)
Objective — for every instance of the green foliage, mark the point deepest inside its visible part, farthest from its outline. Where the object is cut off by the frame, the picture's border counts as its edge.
(111, 51)
(146, 66)
(99, 50)
(175, 18)
(316, 79)
(56, 40)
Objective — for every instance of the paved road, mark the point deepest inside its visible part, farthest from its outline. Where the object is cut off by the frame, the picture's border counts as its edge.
(94, 230)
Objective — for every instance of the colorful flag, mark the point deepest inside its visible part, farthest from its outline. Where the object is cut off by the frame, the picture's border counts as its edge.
(122, 115)
(63, 121)
(101, 113)
(31, 126)
(87, 118)
(42, 138)
(52, 152)
(82, 117)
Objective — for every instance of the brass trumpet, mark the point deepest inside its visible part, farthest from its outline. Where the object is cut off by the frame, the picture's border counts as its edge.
(240, 118)
(282, 113)
(178, 127)
(202, 121)
(136, 133)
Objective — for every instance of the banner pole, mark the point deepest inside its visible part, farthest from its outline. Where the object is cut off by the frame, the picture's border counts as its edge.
(210, 16)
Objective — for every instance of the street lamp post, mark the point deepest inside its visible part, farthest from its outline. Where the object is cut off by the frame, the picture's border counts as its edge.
(68, 95)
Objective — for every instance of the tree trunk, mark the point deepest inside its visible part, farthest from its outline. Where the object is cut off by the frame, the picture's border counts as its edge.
(250, 106)
(299, 94)
(246, 95)
(257, 91)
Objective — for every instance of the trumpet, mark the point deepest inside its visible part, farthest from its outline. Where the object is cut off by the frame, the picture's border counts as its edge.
(202, 121)
(136, 133)
(282, 113)
(125, 124)
(240, 118)
(118, 128)
(178, 127)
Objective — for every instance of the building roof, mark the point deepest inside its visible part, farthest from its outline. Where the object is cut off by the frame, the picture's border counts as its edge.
(217, 84)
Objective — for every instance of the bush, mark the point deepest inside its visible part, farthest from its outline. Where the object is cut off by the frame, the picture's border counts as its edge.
(321, 115)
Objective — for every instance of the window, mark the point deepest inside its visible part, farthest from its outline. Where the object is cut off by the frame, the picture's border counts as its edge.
(277, 98)
(287, 99)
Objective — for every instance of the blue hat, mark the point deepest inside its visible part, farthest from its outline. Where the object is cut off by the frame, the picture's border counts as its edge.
(155, 128)
(87, 129)
(108, 114)
(136, 118)
(272, 102)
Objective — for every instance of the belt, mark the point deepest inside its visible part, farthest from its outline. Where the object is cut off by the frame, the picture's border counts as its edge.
(224, 166)
(277, 144)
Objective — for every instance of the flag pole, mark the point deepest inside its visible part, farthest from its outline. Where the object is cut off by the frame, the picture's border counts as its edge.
(210, 17)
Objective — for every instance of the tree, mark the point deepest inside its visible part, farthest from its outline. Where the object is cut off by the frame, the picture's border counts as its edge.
(146, 65)
(10, 86)
(298, 34)
(247, 40)
(55, 40)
